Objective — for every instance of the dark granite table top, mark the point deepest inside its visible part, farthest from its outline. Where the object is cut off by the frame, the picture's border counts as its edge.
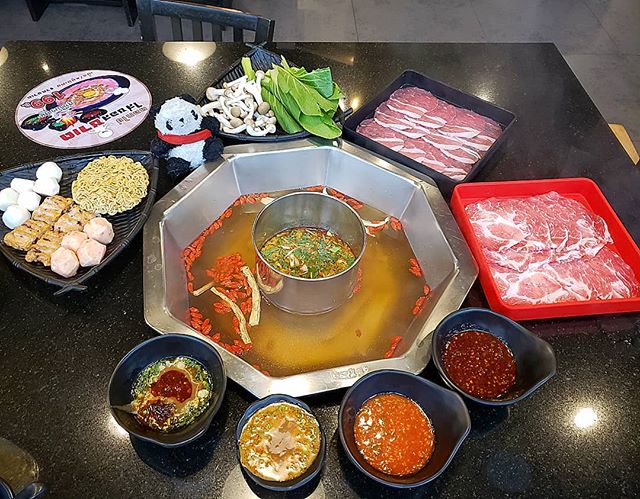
(57, 354)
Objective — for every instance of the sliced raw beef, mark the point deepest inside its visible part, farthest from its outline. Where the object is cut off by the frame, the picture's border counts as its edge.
(458, 131)
(445, 111)
(426, 121)
(440, 141)
(434, 158)
(462, 154)
(416, 97)
(479, 142)
(549, 249)
(464, 117)
(385, 136)
(456, 138)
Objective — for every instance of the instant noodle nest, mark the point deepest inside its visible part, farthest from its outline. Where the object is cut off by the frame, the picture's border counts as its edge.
(110, 185)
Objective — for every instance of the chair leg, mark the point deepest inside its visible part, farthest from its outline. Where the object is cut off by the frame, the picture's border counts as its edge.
(37, 8)
(623, 137)
(130, 11)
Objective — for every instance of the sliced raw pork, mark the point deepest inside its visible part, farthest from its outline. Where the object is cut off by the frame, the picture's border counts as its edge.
(539, 223)
(604, 276)
(549, 249)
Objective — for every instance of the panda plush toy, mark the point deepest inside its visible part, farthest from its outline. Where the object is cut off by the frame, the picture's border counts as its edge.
(186, 139)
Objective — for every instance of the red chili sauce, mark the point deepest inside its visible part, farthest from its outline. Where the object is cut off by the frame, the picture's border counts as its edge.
(393, 434)
(173, 383)
(479, 364)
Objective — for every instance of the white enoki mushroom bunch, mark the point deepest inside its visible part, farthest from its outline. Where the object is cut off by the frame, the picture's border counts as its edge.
(239, 107)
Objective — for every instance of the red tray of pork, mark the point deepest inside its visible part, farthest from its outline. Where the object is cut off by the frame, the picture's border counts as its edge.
(430, 127)
(549, 248)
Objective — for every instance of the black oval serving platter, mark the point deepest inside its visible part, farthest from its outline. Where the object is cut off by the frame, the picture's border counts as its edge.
(125, 225)
(263, 59)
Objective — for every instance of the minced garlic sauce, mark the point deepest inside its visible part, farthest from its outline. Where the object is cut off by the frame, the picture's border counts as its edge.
(280, 442)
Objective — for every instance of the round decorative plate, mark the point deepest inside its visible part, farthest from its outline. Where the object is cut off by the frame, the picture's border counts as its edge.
(83, 109)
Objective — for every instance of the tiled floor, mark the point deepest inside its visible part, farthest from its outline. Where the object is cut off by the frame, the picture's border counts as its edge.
(600, 39)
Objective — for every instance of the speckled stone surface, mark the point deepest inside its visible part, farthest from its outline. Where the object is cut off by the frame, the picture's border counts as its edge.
(57, 354)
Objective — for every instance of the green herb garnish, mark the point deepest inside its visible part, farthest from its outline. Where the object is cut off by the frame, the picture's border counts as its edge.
(308, 252)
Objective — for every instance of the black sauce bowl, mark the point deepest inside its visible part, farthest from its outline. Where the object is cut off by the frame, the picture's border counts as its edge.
(161, 347)
(535, 361)
(308, 475)
(445, 409)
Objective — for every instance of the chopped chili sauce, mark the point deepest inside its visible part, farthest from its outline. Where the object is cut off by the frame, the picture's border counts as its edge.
(173, 383)
(393, 434)
(479, 364)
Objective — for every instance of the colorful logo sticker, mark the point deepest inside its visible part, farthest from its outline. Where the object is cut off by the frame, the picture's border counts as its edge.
(83, 109)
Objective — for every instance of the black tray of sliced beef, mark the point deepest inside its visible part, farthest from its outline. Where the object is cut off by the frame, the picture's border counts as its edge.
(430, 127)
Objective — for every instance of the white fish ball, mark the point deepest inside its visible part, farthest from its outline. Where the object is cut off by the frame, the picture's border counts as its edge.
(22, 184)
(8, 197)
(29, 200)
(15, 215)
(46, 186)
(49, 170)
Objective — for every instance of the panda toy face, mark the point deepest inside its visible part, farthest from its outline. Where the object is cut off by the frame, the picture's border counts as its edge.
(178, 117)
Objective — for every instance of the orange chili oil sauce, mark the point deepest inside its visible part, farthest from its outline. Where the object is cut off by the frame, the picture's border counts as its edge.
(479, 364)
(393, 434)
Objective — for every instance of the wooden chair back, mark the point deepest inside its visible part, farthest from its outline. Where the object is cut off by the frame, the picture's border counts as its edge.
(218, 17)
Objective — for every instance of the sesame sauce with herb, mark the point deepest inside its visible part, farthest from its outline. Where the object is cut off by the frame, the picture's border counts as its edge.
(393, 434)
(171, 393)
(307, 252)
(279, 442)
(479, 364)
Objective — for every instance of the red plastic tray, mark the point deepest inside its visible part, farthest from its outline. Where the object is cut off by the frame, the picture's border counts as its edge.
(583, 190)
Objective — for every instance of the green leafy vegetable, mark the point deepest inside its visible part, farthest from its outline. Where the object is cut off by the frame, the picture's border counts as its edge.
(286, 122)
(248, 70)
(300, 99)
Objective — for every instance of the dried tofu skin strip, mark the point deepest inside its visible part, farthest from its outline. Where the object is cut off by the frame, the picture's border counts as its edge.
(24, 236)
(44, 248)
(51, 209)
(74, 219)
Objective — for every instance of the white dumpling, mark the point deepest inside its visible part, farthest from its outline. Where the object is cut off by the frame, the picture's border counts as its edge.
(49, 170)
(46, 186)
(64, 262)
(29, 200)
(8, 197)
(22, 184)
(15, 215)
(99, 229)
(91, 252)
(73, 240)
